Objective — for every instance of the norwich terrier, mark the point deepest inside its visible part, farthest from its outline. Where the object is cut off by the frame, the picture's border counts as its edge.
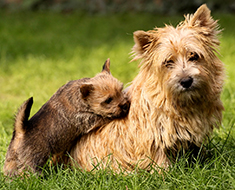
(175, 99)
(76, 108)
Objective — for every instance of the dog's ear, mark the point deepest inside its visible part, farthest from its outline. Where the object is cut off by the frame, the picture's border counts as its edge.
(106, 66)
(201, 19)
(204, 24)
(86, 89)
(142, 40)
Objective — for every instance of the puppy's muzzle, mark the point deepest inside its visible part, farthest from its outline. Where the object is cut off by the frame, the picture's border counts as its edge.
(124, 109)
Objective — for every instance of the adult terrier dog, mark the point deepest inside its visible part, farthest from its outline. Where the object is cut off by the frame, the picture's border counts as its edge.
(76, 108)
(175, 99)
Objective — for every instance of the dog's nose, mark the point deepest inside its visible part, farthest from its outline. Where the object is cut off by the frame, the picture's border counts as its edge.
(125, 107)
(186, 82)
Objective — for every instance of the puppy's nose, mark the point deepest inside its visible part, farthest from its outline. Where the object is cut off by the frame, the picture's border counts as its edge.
(125, 107)
(186, 82)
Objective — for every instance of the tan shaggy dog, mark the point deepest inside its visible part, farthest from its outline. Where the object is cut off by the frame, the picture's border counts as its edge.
(175, 99)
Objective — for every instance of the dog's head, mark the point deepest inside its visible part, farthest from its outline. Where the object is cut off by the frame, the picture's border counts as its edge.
(105, 95)
(183, 59)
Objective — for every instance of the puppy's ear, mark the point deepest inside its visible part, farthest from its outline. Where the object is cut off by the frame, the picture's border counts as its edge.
(106, 66)
(142, 41)
(86, 90)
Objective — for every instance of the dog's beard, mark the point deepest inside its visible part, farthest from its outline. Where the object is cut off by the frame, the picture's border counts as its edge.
(196, 95)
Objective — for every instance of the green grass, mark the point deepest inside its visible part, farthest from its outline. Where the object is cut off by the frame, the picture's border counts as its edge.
(39, 52)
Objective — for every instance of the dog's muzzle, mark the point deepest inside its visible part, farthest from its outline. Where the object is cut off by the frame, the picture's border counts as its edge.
(186, 82)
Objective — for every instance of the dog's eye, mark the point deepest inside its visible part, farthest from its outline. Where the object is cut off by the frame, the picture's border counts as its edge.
(108, 100)
(194, 57)
(168, 63)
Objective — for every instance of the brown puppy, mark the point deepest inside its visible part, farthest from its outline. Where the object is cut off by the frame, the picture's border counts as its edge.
(76, 108)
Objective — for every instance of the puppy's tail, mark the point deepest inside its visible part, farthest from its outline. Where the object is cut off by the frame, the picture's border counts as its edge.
(22, 116)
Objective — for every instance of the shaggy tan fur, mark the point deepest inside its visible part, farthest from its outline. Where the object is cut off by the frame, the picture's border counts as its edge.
(175, 98)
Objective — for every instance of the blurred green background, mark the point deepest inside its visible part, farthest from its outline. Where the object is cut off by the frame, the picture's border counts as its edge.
(118, 6)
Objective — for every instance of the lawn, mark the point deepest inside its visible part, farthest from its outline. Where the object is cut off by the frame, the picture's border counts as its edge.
(40, 52)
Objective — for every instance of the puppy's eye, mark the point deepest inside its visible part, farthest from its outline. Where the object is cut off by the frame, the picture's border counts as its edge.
(108, 100)
(194, 57)
(168, 63)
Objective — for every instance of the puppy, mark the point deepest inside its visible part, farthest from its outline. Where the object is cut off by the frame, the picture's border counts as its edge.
(75, 109)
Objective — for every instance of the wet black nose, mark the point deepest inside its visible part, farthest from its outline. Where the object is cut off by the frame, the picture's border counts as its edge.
(186, 82)
(125, 107)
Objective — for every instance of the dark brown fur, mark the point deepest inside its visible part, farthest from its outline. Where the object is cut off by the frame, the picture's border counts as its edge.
(76, 108)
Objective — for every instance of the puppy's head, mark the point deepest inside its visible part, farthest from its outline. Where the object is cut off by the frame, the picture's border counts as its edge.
(104, 94)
